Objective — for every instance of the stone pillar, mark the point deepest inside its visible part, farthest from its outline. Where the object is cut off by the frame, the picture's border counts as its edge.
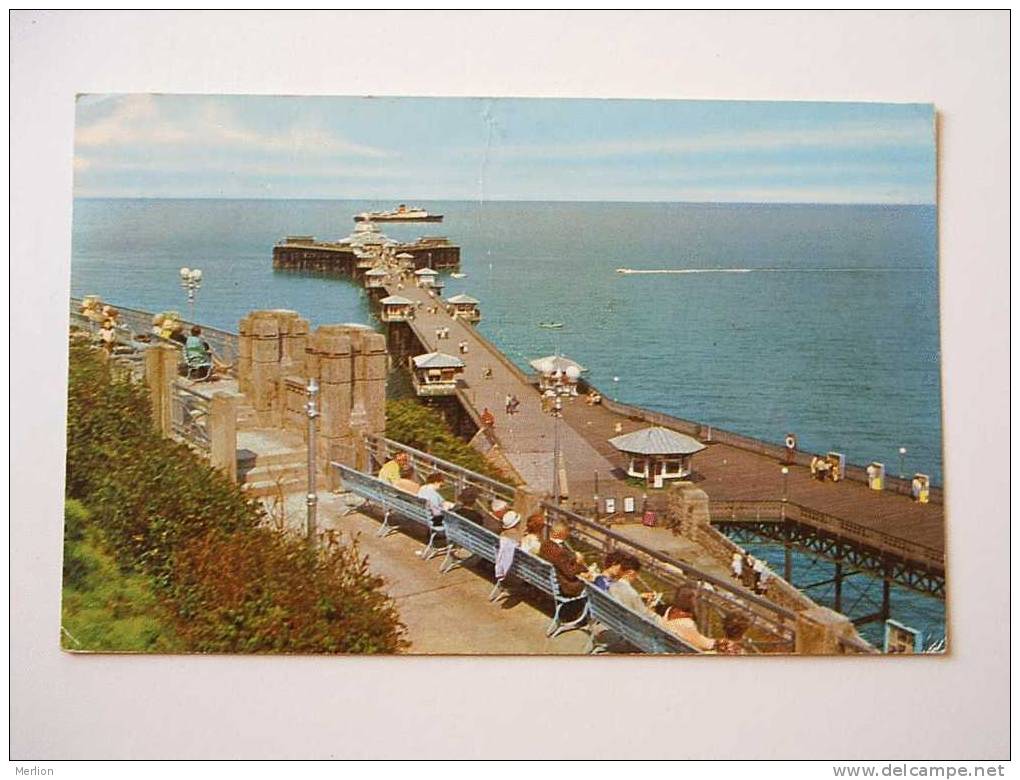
(819, 630)
(687, 510)
(330, 348)
(161, 363)
(371, 364)
(263, 387)
(223, 433)
(293, 332)
(244, 341)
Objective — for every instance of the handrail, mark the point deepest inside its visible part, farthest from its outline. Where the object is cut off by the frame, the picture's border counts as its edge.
(224, 342)
(780, 619)
(854, 472)
(494, 486)
(691, 572)
(784, 510)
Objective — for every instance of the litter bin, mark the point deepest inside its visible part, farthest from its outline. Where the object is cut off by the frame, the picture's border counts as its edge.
(920, 487)
(876, 475)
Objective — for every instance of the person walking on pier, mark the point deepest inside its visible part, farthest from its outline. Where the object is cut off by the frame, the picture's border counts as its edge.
(506, 403)
(487, 418)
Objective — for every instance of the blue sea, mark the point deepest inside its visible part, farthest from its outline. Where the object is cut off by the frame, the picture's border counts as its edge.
(816, 319)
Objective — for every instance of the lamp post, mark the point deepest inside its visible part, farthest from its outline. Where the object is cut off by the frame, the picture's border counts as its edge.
(191, 280)
(903, 452)
(557, 413)
(312, 499)
(616, 388)
(786, 477)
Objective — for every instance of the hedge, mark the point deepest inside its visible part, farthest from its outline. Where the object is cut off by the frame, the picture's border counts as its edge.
(410, 422)
(166, 513)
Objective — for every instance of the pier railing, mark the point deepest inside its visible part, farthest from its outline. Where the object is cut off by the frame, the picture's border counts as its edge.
(716, 596)
(780, 511)
(224, 343)
(774, 624)
(190, 416)
(710, 433)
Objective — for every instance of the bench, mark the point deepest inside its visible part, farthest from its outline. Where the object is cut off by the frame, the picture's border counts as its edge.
(481, 542)
(393, 503)
(636, 629)
(463, 534)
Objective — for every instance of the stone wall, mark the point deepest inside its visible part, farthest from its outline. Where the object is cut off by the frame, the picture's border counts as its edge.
(277, 357)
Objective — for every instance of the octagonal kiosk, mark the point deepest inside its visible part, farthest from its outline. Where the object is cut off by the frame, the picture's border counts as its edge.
(658, 454)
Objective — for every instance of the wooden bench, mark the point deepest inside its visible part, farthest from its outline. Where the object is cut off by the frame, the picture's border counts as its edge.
(635, 629)
(481, 542)
(394, 503)
(463, 534)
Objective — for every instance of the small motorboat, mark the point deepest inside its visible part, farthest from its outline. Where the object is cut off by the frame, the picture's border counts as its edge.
(551, 325)
(458, 276)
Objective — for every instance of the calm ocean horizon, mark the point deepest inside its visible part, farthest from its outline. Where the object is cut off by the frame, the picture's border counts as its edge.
(816, 319)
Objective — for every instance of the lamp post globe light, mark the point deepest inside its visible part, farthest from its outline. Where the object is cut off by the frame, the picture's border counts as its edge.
(191, 280)
(785, 470)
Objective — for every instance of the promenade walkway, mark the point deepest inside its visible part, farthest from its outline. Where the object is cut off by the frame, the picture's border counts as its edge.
(725, 472)
(444, 613)
(527, 439)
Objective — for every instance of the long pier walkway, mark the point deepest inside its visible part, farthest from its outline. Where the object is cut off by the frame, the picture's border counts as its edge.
(727, 473)
(527, 439)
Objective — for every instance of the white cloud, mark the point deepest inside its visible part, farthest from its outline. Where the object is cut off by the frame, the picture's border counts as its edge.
(137, 120)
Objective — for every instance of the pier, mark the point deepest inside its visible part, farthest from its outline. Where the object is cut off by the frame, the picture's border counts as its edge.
(342, 258)
(884, 533)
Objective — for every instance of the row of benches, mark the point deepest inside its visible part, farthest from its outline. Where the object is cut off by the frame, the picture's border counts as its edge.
(596, 607)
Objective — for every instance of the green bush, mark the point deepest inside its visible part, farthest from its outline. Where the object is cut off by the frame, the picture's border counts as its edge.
(102, 607)
(166, 513)
(412, 423)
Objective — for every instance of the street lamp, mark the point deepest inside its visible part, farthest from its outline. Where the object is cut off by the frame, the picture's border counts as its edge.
(557, 413)
(616, 388)
(903, 452)
(786, 477)
(312, 498)
(191, 280)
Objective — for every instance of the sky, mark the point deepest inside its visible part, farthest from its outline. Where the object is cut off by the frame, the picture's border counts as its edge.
(408, 149)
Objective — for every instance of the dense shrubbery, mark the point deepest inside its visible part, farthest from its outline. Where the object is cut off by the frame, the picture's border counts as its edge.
(233, 584)
(414, 424)
(104, 608)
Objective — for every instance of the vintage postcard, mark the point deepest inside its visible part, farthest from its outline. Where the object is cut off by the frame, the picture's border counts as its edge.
(503, 376)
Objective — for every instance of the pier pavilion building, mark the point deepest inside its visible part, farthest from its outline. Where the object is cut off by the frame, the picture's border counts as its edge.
(657, 454)
(465, 307)
(435, 374)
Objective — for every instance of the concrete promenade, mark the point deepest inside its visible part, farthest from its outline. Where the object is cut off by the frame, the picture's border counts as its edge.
(446, 614)
(527, 439)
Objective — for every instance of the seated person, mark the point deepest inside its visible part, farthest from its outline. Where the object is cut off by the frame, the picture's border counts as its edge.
(430, 492)
(406, 481)
(500, 513)
(679, 620)
(568, 564)
(531, 542)
(390, 472)
(610, 572)
(734, 627)
(623, 590)
(196, 351)
(467, 507)
(108, 335)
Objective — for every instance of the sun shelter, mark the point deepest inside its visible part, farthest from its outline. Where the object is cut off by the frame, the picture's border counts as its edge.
(558, 373)
(657, 454)
(426, 277)
(375, 278)
(395, 308)
(435, 373)
(465, 307)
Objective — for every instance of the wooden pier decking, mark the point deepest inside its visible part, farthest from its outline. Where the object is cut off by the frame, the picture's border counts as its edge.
(726, 472)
